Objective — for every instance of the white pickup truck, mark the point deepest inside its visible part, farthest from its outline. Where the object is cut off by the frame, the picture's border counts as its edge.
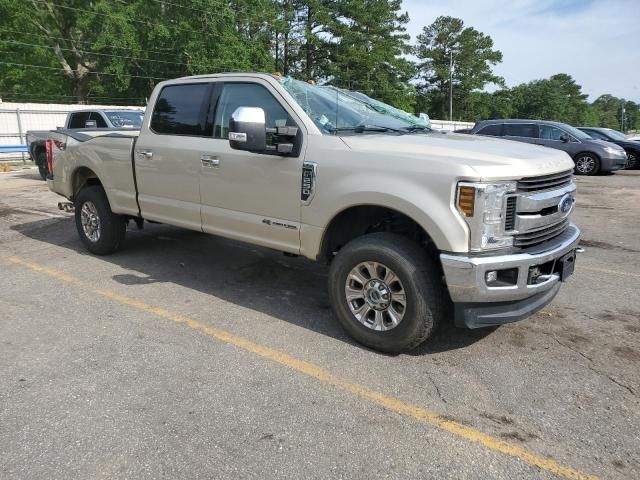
(82, 119)
(411, 221)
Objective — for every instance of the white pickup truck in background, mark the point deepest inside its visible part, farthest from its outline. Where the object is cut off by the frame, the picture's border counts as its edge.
(82, 119)
(411, 221)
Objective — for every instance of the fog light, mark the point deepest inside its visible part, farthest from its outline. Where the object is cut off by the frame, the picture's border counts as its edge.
(502, 278)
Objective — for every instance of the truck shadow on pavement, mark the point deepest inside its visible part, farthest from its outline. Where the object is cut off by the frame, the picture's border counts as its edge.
(289, 289)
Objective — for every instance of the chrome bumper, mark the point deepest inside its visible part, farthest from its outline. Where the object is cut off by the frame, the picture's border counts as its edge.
(466, 276)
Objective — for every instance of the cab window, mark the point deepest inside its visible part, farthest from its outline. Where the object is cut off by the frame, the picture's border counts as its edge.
(181, 110)
(78, 120)
(236, 95)
(100, 123)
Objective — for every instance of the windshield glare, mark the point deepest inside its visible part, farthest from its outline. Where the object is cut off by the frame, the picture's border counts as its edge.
(126, 119)
(333, 109)
(615, 134)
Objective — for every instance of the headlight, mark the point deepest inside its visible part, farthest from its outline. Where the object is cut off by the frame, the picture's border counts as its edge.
(615, 151)
(482, 205)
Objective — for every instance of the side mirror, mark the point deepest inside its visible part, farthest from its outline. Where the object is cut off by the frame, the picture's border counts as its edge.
(564, 137)
(90, 124)
(247, 129)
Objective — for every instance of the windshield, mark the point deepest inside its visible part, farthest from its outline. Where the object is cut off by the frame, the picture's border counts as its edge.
(126, 118)
(333, 109)
(579, 134)
(615, 134)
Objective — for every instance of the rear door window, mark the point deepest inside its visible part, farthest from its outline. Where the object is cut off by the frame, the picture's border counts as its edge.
(527, 130)
(79, 119)
(182, 110)
(493, 130)
(547, 132)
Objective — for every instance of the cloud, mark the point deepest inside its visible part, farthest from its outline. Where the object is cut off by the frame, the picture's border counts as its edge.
(597, 42)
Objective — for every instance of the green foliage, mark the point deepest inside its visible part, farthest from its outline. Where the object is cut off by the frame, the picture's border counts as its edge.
(114, 52)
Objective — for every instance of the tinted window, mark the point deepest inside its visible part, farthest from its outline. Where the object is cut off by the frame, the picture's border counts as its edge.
(236, 95)
(180, 110)
(100, 123)
(495, 130)
(595, 134)
(78, 120)
(547, 132)
(528, 130)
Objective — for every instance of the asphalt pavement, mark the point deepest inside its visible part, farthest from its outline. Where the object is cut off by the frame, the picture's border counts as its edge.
(190, 356)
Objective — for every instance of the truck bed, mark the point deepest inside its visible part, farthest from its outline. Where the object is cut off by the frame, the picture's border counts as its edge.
(105, 153)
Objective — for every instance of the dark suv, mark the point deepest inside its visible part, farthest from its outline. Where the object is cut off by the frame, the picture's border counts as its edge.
(589, 155)
(609, 135)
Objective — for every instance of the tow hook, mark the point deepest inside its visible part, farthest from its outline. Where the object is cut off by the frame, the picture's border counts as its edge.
(66, 207)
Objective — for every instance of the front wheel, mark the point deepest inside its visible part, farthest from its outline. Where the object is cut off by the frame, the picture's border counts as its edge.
(632, 160)
(101, 231)
(587, 164)
(386, 292)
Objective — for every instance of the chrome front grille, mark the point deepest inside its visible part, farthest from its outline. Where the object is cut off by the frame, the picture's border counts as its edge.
(547, 182)
(536, 237)
(534, 214)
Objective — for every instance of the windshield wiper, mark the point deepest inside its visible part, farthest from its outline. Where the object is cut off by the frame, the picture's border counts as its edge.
(366, 128)
(416, 128)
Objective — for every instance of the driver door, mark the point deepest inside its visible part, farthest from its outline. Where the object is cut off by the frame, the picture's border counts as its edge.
(254, 197)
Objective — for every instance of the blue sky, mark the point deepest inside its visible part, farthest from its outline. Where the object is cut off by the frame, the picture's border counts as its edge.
(597, 42)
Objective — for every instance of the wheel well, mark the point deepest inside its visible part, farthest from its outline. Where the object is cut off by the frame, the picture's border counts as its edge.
(84, 176)
(363, 219)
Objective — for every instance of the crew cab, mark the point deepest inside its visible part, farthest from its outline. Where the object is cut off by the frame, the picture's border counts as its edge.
(82, 119)
(411, 222)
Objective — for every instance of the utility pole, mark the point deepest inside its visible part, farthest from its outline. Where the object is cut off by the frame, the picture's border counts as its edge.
(451, 85)
(622, 115)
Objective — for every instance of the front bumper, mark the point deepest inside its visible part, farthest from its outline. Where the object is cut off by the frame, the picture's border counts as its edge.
(478, 304)
(611, 163)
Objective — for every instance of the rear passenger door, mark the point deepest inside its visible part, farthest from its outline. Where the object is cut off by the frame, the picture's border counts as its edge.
(168, 154)
(521, 132)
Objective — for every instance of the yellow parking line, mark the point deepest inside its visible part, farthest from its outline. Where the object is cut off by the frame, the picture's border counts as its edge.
(418, 413)
(612, 272)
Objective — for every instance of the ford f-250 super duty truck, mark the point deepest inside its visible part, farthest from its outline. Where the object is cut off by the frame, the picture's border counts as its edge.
(410, 221)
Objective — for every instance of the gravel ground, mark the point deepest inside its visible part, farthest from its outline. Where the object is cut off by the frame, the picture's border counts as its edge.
(95, 385)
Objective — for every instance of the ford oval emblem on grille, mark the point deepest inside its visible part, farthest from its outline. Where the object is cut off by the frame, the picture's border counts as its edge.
(565, 204)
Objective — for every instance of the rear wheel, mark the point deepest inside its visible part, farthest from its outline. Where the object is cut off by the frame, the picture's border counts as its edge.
(587, 164)
(43, 166)
(101, 231)
(386, 292)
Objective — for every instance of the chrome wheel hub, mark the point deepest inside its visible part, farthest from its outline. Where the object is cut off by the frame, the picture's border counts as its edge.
(375, 296)
(585, 164)
(90, 221)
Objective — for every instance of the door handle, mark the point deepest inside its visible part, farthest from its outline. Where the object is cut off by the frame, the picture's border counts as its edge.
(145, 153)
(210, 161)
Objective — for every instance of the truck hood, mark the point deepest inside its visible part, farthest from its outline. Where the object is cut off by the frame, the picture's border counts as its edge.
(489, 158)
